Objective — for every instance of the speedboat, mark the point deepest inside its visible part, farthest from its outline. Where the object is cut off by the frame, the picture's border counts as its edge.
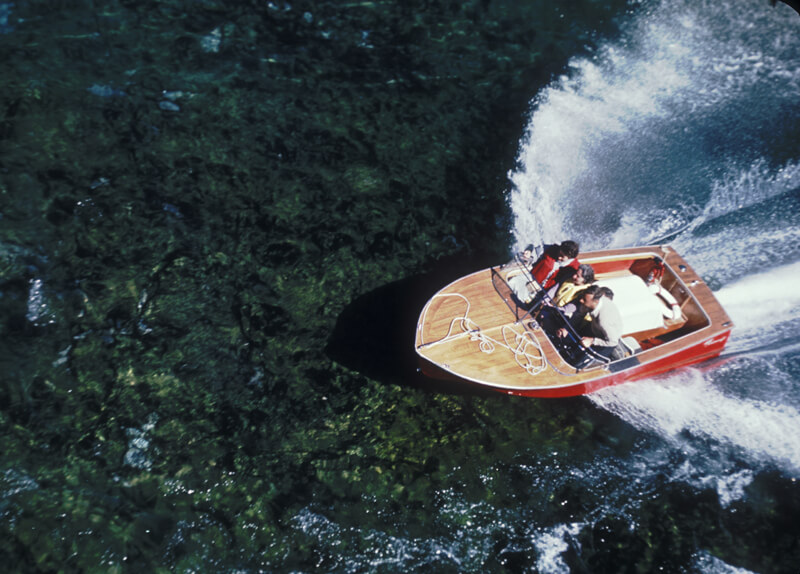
(476, 330)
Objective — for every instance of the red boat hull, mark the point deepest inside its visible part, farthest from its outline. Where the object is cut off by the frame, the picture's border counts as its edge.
(465, 322)
(697, 354)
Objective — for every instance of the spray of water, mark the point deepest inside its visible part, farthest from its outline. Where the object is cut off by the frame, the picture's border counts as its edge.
(774, 306)
(676, 124)
(688, 407)
(680, 127)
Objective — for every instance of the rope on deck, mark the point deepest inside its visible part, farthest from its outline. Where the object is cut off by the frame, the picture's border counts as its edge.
(523, 345)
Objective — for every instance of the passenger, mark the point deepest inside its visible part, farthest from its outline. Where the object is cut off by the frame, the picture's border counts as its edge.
(554, 258)
(602, 333)
(652, 272)
(566, 293)
(527, 255)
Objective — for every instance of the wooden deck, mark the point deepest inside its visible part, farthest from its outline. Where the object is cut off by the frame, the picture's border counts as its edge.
(467, 331)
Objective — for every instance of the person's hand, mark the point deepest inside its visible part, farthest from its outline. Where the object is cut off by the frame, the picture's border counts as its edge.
(561, 333)
(587, 341)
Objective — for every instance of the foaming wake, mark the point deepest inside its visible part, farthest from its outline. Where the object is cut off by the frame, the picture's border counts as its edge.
(739, 189)
(750, 408)
(550, 544)
(679, 123)
(750, 223)
(765, 313)
(760, 302)
(710, 564)
(688, 407)
(679, 128)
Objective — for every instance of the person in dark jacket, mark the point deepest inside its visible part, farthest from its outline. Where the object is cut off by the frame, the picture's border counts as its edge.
(597, 321)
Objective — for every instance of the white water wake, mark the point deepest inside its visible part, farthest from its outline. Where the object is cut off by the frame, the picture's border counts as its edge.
(761, 306)
(751, 406)
(748, 407)
(665, 129)
(689, 405)
(680, 127)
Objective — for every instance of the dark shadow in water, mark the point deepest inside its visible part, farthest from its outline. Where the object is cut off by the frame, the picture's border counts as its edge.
(374, 335)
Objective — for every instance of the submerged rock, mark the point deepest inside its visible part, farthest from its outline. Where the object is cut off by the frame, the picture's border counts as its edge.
(169, 106)
(212, 42)
(104, 91)
(5, 12)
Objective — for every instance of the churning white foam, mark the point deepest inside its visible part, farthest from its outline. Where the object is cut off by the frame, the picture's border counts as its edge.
(607, 97)
(687, 406)
(708, 564)
(739, 188)
(674, 129)
(762, 301)
(550, 544)
(630, 144)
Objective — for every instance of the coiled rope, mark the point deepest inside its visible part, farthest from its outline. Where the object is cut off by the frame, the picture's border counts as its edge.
(526, 349)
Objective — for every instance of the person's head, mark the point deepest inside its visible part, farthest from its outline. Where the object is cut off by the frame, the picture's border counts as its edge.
(591, 296)
(584, 275)
(567, 250)
(606, 292)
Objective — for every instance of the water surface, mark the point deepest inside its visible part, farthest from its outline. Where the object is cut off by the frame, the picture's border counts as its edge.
(219, 221)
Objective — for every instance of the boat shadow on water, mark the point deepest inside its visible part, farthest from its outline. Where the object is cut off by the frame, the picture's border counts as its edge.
(374, 334)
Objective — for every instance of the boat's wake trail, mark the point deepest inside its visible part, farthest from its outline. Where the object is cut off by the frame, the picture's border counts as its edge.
(749, 406)
(636, 142)
(762, 310)
(750, 223)
(689, 409)
(680, 130)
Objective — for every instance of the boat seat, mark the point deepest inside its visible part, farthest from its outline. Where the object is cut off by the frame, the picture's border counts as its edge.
(641, 309)
(630, 345)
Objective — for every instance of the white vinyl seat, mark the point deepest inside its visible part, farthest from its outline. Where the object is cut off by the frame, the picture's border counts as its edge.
(641, 309)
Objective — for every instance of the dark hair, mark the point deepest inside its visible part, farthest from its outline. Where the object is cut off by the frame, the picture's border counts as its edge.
(590, 290)
(566, 274)
(605, 292)
(587, 271)
(597, 292)
(568, 249)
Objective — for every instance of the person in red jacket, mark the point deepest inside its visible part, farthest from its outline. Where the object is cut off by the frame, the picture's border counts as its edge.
(554, 258)
(545, 269)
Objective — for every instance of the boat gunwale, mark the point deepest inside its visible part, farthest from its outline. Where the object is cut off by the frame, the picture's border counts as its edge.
(602, 370)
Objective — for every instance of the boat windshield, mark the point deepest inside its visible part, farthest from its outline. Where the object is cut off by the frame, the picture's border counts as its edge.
(553, 322)
(542, 313)
(514, 271)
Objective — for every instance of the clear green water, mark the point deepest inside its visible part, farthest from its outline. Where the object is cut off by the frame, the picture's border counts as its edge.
(218, 223)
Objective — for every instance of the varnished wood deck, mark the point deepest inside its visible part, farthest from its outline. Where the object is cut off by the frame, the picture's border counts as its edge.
(476, 350)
